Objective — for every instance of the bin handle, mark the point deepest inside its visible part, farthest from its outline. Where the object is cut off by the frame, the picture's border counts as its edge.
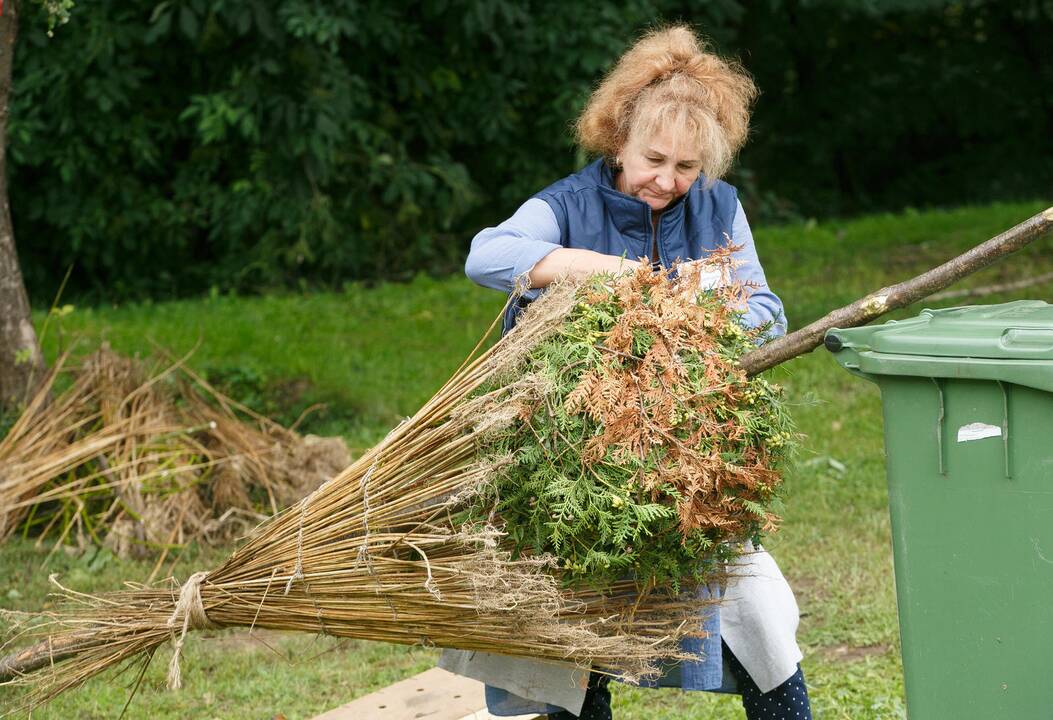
(939, 426)
(1005, 427)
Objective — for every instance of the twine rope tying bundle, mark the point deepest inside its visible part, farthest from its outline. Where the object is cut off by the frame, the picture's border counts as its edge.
(363, 549)
(429, 584)
(304, 504)
(190, 608)
(298, 568)
(363, 485)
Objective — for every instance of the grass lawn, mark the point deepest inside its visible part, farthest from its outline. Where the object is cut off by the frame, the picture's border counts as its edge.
(374, 355)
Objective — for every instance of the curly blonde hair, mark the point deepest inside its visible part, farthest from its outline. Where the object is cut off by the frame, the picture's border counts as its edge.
(668, 81)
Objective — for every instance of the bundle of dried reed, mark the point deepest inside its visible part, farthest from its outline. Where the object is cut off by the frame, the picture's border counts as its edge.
(139, 458)
(375, 554)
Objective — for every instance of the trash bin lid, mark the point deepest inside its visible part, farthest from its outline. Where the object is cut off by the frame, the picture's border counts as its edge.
(1012, 342)
(1021, 330)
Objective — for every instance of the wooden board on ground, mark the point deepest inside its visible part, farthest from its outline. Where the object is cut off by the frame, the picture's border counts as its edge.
(432, 695)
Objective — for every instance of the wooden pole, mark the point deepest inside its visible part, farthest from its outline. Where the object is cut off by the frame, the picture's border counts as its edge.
(35, 657)
(893, 297)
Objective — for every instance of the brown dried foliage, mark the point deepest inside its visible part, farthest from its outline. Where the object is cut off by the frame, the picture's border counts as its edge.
(650, 401)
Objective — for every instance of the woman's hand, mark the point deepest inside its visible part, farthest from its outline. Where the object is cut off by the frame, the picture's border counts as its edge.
(576, 264)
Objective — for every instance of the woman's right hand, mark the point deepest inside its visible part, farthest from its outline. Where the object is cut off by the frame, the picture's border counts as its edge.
(576, 264)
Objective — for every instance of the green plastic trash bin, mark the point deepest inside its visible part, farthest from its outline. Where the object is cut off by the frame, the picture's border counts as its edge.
(967, 395)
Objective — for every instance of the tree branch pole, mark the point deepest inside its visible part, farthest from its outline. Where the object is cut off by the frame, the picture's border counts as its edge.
(36, 657)
(893, 297)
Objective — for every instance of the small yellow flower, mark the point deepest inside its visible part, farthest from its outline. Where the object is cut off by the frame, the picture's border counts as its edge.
(733, 329)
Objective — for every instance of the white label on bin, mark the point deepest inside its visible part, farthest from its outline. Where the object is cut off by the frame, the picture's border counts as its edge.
(978, 431)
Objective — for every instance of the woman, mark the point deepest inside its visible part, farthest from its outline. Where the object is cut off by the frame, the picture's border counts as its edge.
(666, 122)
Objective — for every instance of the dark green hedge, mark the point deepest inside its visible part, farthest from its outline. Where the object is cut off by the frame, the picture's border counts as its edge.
(162, 149)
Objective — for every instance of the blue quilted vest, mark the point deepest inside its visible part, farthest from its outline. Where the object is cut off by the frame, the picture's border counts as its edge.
(593, 215)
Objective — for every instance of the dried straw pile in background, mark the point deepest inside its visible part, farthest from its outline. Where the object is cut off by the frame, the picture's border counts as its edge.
(140, 459)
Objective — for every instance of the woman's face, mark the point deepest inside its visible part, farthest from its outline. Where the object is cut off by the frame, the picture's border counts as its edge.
(658, 169)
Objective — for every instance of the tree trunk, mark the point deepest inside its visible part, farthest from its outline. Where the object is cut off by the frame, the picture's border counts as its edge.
(21, 363)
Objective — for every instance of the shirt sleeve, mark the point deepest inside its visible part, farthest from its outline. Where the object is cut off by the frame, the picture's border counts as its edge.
(763, 306)
(500, 255)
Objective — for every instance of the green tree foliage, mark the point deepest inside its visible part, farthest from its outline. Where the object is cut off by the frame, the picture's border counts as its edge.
(164, 148)
(876, 104)
(167, 147)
